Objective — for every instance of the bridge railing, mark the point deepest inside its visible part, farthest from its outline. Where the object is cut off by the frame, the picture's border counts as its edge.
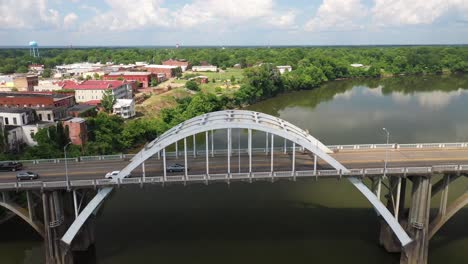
(364, 172)
(254, 150)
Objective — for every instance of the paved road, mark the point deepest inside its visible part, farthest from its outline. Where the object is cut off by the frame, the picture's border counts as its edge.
(260, 163)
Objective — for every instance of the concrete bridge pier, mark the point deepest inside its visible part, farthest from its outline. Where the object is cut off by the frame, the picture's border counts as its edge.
(59, 213)
(415, 220)
(418, 222)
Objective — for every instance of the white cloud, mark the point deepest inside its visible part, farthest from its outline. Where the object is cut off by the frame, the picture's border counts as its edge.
(228, 11)
(69, 20)
(338, 15)
(415, 12)
(29, 14)
(286, 20)
(129, 15)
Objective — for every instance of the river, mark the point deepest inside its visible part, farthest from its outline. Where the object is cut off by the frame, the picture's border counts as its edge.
(303, 222)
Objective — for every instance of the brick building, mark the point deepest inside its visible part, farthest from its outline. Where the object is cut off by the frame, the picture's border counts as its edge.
(142, 77)
(183, 64)
(168, 70)
(76, 130)
(37, 100)
(25, 82)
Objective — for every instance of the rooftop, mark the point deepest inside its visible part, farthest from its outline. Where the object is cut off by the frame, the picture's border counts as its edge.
(80, 108)
(76, 120)
(55, 96)
(130, 73)
(93, 85)
(15, 110)
(161, 66)
(123, 102)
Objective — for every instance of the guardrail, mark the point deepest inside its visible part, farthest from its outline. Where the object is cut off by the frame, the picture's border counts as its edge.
(364, 172)
(254, 150)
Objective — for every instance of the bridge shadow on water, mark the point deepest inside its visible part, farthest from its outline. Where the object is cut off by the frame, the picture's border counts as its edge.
(244, 223)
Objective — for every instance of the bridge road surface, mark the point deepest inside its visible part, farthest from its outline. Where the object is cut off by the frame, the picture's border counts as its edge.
(260, 163)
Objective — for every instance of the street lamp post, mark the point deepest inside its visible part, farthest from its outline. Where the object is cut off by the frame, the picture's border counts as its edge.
(66, 165)
(386, 152)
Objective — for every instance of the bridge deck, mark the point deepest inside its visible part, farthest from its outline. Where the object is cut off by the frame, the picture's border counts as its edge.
(351, 159)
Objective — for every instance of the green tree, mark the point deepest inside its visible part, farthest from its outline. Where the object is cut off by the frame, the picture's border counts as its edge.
(192, 85)
(154, 82)
(108, 100)
(47, 73)
(22, 69)
(96, 76)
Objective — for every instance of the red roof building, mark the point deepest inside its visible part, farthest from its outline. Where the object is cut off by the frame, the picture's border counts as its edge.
(183, 64)
(142, 77)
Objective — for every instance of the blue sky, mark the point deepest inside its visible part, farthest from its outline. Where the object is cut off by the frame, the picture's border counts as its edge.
(233, 22)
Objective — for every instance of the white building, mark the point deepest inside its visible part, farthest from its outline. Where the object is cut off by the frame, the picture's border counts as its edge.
(93, 90)
(357, 65)
(125, 108)
(283, 69)
(47, 86)
(16, 116)
(208, 68)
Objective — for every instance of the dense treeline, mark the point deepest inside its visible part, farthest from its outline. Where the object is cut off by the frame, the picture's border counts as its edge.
(312, 67)
(334, 62)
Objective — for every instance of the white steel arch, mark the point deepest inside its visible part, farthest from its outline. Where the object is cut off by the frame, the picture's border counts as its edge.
(244, 120)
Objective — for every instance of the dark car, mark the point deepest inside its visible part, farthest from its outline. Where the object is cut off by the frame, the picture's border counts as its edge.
(175, 168)
(26, 175)
(10, 166)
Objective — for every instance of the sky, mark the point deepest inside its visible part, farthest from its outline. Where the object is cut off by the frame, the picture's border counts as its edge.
(232, 22)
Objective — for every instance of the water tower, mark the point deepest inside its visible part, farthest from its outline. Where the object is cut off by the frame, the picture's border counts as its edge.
(33, 49)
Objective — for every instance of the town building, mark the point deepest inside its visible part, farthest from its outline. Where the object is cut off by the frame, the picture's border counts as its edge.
(25, 82)
(47, 86)
(125, 108)
(16, 116)
(37, 68)
(283, 69)
(6, 83)
(81, 110)
(183, 64)
(168, 70)
(51, 114)
(205, 68)
(92, 91)
(77, 130)
(78, 69)
(36, 100)
(144, 78)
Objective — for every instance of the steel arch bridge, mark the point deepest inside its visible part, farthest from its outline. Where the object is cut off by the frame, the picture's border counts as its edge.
(236, 119)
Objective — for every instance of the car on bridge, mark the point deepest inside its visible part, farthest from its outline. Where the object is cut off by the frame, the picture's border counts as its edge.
(26, 175)
(10, 166)
(112, 174)
(176, 168)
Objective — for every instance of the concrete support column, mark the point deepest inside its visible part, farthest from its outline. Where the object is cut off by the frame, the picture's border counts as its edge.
(207, 154)
(185, 159)
(418, 222)
(293, 169)
(177, 149)
(30, 205)
(229, 147)
(164, 164)
(315, 164)
(212, 143)
(444, 196)
(194, 147)
(394, 200)
(249, 143)
(272, 168)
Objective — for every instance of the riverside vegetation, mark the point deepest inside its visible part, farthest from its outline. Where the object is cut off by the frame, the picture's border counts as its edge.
(312, 67)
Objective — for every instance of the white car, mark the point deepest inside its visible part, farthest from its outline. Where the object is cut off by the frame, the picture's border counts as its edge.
(112, 174)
